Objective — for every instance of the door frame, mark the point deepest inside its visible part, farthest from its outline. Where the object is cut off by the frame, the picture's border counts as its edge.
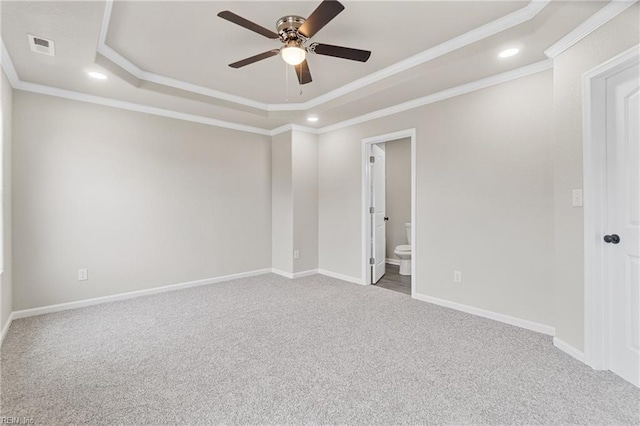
(374, 192)
(596, 287)
(366, 202)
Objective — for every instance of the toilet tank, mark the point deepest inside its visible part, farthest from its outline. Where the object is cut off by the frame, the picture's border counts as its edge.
(408, 229)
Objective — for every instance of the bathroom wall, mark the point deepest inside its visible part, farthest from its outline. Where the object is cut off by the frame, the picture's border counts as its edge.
(141, 201)
(398, 186)
(6, 280)
(484, 197)
(618, 35)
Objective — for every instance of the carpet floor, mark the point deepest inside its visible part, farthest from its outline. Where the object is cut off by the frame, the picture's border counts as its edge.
(314, 350)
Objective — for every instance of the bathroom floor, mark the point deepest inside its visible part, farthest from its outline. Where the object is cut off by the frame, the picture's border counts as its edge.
(392, 280)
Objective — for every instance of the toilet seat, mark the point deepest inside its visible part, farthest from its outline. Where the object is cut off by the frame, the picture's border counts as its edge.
(403, 249)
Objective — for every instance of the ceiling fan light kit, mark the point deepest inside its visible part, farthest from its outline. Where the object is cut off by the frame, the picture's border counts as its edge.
(294, 33)
(293, 55)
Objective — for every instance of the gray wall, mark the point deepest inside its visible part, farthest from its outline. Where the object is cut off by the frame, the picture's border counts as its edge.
(144, 201)
(484, 197)
(141, 201)
(305, 200)
(339, 213)
(398, 186)
(615, 37)
(295, 201)
(282, 202)
(6, 281)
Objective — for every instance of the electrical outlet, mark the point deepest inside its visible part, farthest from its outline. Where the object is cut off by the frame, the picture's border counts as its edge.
(83, 275)
(457, 276)
(296, 254)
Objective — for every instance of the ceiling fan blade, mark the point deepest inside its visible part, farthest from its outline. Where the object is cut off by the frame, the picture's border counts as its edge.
(255, 58)
(342, 52)
(239, 20)
(320, 17)
(303, 73)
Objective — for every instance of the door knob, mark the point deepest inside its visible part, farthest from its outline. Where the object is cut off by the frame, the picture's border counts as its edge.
(613, 239)
(386, 219)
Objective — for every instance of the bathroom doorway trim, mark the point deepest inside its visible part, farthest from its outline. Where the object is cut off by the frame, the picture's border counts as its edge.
(366, 202)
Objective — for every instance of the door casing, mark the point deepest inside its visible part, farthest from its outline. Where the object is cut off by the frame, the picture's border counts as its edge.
(366, 202)
(596, 287)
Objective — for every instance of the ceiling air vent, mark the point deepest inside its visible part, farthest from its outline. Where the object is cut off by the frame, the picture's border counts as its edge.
(41, 45)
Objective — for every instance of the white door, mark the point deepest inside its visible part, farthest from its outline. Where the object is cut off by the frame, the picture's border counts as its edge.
(378, 202)
(623, 222)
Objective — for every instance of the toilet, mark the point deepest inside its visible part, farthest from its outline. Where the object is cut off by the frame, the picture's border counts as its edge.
(403, 252)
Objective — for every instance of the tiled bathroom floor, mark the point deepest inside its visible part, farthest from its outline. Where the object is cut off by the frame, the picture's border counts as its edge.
(392, 280)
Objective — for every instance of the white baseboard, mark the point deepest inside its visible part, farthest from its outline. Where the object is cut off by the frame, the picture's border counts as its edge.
(340, 276)
(295, 274)
(518, 322)
(133, 294)
(305, 273)
(530, 325)
(393, 261)
(568, 349)
(6, 328)
(282, 273)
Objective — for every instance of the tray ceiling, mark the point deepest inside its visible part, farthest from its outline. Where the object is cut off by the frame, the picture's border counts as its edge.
(163, 37)
(186, 44)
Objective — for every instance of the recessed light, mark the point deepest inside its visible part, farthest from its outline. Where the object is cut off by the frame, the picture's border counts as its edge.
(312, 119)
(97, 75)
(509, 52)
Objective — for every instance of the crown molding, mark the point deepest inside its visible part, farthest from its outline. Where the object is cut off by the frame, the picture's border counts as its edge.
(604, 15)
(484, 83)
(515, 18)
(511, 20)
(7, 65)
(141, 74)
(282, 129)
(598, 19)
(130, 106)
(294, 127)
(17, 84)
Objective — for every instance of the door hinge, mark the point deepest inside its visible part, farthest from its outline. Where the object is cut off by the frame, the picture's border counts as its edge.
(372, 261)
(372, 159)
(372, 210)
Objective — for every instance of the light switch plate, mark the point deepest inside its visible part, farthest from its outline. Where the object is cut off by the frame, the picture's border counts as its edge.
(83, 275)
(576, 198)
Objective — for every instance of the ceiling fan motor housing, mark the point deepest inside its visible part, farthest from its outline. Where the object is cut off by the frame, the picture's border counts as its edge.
(287, 27)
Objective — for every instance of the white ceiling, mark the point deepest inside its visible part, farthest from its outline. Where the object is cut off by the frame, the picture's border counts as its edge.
(187, 43)
(196, 36)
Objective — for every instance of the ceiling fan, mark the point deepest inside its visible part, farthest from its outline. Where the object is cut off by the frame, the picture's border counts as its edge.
(294, 32)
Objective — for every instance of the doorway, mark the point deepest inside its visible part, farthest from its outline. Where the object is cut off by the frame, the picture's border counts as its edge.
(375, 263)
(612, 216)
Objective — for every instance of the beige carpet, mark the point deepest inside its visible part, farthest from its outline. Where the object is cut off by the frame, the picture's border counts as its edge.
(313, 350)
